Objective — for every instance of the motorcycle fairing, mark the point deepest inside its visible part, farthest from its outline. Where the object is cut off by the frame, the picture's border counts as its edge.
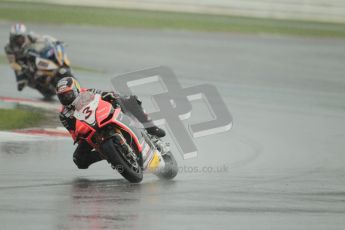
(50, 57)
(45, 64)
(119, 119)
(93, 112)
(60, 55)
(84, 131)
(87, 112)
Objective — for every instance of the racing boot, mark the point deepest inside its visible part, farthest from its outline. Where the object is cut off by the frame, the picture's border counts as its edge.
(84, 156)
(155, 131)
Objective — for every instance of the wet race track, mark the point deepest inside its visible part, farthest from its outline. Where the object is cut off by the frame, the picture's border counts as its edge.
(281, 166)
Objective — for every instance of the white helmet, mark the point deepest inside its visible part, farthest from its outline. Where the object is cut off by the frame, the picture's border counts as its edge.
(18, 29)
(18, 34)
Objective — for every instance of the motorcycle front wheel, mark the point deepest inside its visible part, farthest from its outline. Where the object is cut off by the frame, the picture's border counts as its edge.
(128, 167)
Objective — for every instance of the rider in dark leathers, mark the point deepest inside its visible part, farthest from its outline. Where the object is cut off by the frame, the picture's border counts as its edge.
(15, 51)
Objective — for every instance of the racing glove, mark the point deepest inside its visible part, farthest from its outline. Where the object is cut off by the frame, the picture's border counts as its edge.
(111, 97)
(21, 85)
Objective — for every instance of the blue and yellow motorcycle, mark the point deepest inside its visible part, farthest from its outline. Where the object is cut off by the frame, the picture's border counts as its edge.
(47, 63)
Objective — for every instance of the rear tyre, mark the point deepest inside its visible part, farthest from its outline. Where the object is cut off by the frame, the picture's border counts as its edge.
(171, 169)
(128, 167)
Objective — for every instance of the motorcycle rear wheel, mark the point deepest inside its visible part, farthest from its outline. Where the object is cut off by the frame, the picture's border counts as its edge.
(171, 169)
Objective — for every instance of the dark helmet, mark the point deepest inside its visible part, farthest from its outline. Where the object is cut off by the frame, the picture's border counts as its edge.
(18, 36)
(67, 90)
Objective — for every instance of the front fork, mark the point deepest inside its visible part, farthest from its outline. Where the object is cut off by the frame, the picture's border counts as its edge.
(153, 161)
(122, 143)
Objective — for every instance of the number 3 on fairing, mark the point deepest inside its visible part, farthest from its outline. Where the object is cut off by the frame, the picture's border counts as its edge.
(87, 112)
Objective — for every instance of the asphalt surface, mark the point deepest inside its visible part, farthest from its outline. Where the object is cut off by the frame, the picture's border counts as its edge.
(281, 166)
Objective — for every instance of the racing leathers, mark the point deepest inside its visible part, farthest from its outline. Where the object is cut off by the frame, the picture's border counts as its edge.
(16, 56)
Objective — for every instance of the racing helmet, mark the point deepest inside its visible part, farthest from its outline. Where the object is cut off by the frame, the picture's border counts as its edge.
(67, 90)
(18, 35)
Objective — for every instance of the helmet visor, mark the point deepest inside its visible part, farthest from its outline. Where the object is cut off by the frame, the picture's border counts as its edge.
(67, 98)
(19, 40)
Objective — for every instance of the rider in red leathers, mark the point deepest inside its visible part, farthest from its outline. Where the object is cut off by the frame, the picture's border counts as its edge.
(68, 90)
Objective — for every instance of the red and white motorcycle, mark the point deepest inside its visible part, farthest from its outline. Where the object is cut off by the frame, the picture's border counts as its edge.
(122, 140)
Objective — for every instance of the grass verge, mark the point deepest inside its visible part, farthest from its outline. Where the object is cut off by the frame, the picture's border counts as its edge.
(19, 118)
(57, 14)
(3, 60)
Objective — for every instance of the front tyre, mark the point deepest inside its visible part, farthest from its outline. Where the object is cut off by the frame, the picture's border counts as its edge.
(128, 167)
